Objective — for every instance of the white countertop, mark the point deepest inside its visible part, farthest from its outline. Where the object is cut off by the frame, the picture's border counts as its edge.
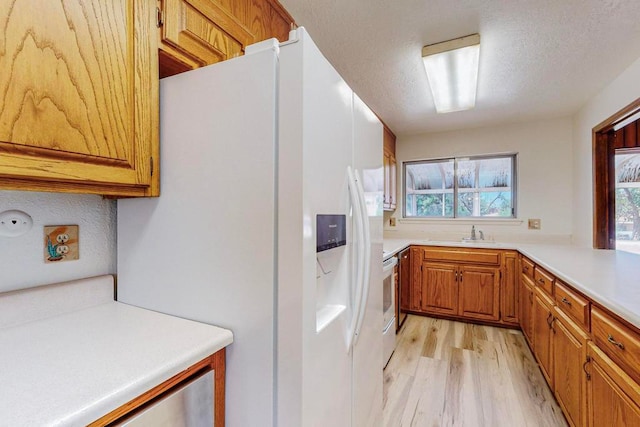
(71, 369)
(611, 278)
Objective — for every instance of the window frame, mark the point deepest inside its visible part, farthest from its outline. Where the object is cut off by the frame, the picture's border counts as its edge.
(514, 187)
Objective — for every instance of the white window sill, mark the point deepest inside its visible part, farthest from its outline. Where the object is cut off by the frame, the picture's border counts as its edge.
(463, 221)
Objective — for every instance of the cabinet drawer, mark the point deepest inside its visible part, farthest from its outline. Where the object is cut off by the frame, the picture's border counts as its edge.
(474, 256)
(543, 280)
(572, 304)
(527, 267)
(618, 341)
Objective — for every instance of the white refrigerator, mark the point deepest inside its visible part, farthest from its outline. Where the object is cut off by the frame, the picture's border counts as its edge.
(265, 160)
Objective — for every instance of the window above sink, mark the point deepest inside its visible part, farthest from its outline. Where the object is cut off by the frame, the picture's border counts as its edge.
(469, 187)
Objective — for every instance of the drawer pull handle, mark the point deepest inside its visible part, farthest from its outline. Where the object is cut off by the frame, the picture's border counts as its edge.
(550, 319)
(566, 301)
(526, 268)
(614, 342)
(541, 281)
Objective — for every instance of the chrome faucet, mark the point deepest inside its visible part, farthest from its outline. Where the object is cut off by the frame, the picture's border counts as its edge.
(473, 233)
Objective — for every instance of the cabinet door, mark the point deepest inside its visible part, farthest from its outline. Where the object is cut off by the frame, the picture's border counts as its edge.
(526, 308)
(392, 181)
(543, 339)
(569, 355)
(613, 398)
(509, 302)
(416, 280)
(479, 296)
(386, 163)
(439, 288)
(79, 105)
(405, 280)
(202, 32)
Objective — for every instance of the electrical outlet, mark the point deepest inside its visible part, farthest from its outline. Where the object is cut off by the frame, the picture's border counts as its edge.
(534, 224)
(60, 243)
(392, 221)
(14, 223)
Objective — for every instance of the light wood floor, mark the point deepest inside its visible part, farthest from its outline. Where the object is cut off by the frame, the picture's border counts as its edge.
(446, 373)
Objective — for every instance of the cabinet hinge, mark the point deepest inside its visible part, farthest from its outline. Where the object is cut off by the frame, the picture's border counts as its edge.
(151, 163)
(159, 17)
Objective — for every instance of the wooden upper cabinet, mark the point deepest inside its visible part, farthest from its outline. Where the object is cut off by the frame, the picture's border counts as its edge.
(201, 32)
(195, 33)
(79, 106)
(389, 167)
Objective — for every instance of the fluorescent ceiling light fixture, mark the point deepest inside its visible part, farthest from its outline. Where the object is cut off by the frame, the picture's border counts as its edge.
(452, 70)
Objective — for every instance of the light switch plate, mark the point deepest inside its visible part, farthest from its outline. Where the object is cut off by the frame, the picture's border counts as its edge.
(534, 224)
(60, 243)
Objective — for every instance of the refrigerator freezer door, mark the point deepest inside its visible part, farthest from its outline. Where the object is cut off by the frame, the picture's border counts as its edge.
(316, 131)
(204, 250)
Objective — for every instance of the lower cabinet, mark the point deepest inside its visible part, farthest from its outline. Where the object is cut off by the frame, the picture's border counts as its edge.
(132, 413)
(439, 288)
(526, 308)
(509, 291)
(569, 378)
(479, 293)
(613, 397)
(467, 291)
(543, 333)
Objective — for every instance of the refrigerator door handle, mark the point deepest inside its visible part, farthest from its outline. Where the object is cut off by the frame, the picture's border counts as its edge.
(366, 243)
(359, 264)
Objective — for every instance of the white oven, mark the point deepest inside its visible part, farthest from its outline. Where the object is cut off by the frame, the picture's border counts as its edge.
(388, 304)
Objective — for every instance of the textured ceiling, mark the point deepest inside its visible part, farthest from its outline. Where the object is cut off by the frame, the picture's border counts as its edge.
(538, 58)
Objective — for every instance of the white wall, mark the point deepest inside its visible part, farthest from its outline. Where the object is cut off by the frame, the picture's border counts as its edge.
(615, 96)
(22, 258)
(545, 176)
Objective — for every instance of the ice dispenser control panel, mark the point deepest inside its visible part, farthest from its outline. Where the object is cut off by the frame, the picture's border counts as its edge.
(331, 231)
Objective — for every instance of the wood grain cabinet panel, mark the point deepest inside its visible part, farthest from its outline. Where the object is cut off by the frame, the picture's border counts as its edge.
(574, 305)
(195, 33)
(462, 255)
(439, 288)
(389, 168)
(526, 308)
(569, 379)
(543, 338)
(527, 267)
(201, 32)
(613, 397)
(618, 341)
(479, 292)
(544, 280)
(416, 279)
(79, 106)
(509, 289)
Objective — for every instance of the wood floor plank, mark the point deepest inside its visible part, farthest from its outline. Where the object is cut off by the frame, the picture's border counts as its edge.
(447, 373)
(397, 387)
(424, 405)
